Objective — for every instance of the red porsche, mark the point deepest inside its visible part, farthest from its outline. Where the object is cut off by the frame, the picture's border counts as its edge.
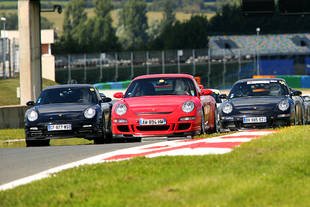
(163, 105)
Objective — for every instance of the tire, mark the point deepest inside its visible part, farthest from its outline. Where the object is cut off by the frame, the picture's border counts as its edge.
(136, 139)
(217, 124)
(105, 138)
(203, 127)
(32, 143)
(298, 117)
(99, 140)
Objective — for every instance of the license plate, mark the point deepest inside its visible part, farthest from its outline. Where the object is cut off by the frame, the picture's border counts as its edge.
(59, 127)
(247, 120)
(152, 121)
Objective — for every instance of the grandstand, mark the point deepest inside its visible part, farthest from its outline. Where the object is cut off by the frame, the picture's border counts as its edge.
(248, 45)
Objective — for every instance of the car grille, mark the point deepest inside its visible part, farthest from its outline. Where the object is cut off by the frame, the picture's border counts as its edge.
(255, 110)
(152, 113)
(184, 126)
(62, 116)
(153, 128)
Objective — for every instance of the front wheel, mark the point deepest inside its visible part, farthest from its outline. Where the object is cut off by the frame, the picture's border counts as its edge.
(32, 143)
(217, 124)
(203, 126)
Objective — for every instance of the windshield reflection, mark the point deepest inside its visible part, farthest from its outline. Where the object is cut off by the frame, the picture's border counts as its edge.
(258, 88)
(68, 95)
(161, 86)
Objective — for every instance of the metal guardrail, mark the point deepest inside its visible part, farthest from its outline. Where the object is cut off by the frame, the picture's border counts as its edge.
(217, 69)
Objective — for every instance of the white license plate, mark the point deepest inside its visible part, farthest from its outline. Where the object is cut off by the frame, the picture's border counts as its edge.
(59, 127)
(247, 120)
(152, 121)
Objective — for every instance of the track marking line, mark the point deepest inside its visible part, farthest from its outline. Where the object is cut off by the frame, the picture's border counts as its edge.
(216, 145)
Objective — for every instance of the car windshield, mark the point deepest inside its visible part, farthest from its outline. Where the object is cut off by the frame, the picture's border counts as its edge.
(161, 86)
(68, 95)
(259, 88)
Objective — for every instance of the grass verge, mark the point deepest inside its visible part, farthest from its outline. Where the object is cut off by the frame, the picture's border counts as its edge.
(8, 90)
(272, 171)
(13, 138)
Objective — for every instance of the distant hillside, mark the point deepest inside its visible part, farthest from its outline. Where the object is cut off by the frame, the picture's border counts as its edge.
(182, 4)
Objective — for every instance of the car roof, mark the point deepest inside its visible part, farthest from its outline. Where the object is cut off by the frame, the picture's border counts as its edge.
(70, 86)
(215, 90)
(259, 79)
(169, 75)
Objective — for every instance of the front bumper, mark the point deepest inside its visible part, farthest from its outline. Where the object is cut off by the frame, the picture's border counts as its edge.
(88, 129)
(173, 127)
(237, 121)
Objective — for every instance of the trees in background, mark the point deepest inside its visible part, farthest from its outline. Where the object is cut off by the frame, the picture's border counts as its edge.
(184, 35)
(103, 37)
(133, 25)
(96, 34)
(231, 21)
(12, 21)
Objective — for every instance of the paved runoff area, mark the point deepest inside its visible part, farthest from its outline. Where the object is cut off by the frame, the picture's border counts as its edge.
(216, 145)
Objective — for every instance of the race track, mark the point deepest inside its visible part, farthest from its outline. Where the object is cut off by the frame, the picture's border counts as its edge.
(23, 165)
(16, 163)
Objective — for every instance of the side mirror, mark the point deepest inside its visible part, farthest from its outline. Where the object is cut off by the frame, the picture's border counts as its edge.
(118, 95)
(296, 93)
(223, 96)
(307, 98)
(106, 99)
(206, 92)
(30, 103)
(102, 95)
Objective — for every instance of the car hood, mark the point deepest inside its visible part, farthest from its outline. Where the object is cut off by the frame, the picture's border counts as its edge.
(61, 108)
(156, 104)
(245, 101)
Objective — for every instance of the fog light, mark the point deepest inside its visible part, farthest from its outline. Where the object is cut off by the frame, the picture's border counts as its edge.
(120, 121)
(187, 118)
(284, 115)
(87, 126)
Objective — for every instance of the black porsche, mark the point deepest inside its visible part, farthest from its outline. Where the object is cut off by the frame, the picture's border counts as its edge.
(73, 110)
(254, 103)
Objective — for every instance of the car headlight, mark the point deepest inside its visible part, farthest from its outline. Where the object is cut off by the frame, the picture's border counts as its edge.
(121, 109)
(32, 115)
(283, 105)
(89, 113)
(188, 106)
(227, 108)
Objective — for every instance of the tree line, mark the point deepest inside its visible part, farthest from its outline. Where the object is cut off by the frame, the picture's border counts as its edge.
(96, 34)
(83, 34)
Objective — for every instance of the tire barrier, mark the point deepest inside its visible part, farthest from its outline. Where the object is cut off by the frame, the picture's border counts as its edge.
(112, 85)
(293, 81)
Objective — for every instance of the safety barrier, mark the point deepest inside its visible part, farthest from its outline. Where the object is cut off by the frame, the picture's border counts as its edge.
(293, 81)
(12, 117)
(296, 81)
(112, 85)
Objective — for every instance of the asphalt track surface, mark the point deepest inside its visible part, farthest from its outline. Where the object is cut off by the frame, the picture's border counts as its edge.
(16, 163)
(20, 166)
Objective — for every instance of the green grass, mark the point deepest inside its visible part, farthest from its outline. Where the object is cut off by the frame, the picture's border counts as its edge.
(9, 139)
(8, 90)
(10, 134)
(272, 171)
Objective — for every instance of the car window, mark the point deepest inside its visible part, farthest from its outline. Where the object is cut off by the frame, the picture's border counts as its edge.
(161, 86)
(68, 95)
(216, 97)
(259, 88)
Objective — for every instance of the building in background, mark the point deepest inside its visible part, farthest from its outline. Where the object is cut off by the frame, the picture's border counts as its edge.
(12, 54)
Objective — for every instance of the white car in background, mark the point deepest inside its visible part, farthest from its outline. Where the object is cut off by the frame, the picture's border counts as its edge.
(217, 96)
